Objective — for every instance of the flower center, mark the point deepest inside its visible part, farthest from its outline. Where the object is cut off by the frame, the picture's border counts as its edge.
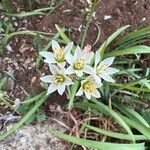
(101, 68)
(89, 87)
(59, 79)
(59, 55)
(79, 64)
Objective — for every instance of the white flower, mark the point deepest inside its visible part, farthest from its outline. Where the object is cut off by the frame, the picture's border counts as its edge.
(89, 88)
(58, 80)
(102, 70)
(59, 54)
(89, 2)
(79, 62)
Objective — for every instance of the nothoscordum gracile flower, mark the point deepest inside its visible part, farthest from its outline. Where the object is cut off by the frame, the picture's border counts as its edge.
(79, 62)
(58, 80)
(102, 70)
(89, 88)
(59, 54)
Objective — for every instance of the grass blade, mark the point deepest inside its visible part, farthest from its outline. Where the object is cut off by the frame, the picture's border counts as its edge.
(111, 38)
(62, 34)
(114, 134)
(100, 107)
(142, 49)
(132, 114)
(97, 145)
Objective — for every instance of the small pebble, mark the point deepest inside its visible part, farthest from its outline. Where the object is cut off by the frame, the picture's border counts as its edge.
(143, 19)
(6, 19)
(9, 48)
(33, 79)
(15, 24)
(107, 17)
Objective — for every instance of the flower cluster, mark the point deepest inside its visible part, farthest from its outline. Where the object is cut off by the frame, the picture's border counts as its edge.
(65, 65)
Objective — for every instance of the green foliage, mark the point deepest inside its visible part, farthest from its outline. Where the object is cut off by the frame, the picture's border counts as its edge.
(39, 102)
(7, 6)
(117, 98)
(97, 145)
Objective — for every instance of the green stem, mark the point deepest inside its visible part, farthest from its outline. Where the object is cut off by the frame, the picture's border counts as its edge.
(74, 89)
(88, 23)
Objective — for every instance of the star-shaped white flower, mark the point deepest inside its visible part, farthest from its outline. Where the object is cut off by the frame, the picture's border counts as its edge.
(79, 62)
(58, 80)
(59, 54)
(102, 69)
(89, 88)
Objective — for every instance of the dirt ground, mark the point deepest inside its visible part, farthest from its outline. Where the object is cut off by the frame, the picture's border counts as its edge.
(20, 56)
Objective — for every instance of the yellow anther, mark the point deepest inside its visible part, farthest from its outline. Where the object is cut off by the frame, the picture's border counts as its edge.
(79, 64)
(89, 87)
(59, 54)
(59, 79)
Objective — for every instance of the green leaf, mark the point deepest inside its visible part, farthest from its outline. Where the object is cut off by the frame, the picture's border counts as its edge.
(2, 82)
(142, 49)
(131, 88)
(146, 115)
(97, 145)
(41, 117)
(31, 119)
(74, 89)
(134, 37)
(111, 38)
(26, 14)
(100, 107)
(137, 125)
(62, 34)
(132, 114)
(114, 134)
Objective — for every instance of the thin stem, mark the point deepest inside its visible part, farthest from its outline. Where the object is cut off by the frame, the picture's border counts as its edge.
(88, 23)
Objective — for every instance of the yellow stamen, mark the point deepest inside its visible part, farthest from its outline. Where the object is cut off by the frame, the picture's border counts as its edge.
(59, 79)
(89, 87)
(59, 55)
(79, 64)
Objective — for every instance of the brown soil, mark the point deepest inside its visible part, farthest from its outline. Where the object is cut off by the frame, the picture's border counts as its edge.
(22, 58)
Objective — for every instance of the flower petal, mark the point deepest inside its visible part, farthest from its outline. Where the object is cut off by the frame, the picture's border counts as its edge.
(88, 69)
(49, 57)
(97, 58)
(68, 48)
(97, 79)
(88, 57)
(55, 45)
(47, 79)
(69, 70)
(51, 89)
(69, 58)
(79, 73)
(107, 61)
(62, 64)
(107, 77)
(52, 69)
(68, 81)
(77, 53)
(80, 92)
(61, 89)
(88, 95)
(50, 61)
(96, 94)
(111, 70)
